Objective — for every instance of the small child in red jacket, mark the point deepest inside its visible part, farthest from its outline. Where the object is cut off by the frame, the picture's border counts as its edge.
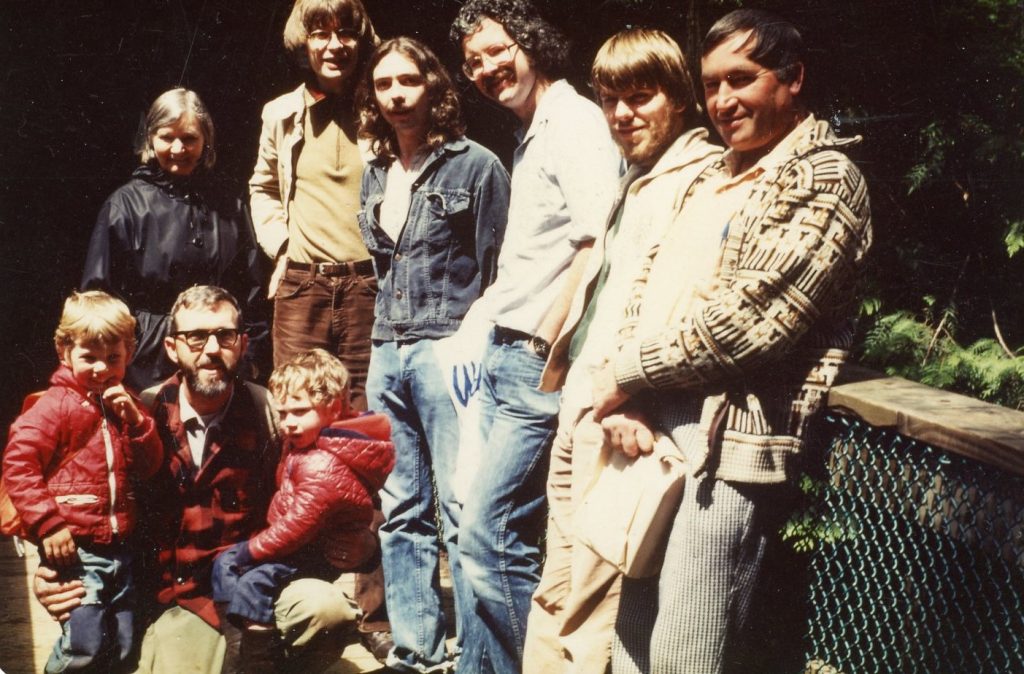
(318, 523)
(68, 468)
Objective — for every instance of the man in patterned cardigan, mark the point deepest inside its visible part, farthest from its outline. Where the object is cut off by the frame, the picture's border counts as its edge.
(736, 325)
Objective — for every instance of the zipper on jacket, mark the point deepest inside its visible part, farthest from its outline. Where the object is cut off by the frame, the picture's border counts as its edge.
(108, 445)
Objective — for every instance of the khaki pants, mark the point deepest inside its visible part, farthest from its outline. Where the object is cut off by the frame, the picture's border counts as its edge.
(572, 620)
(180, 642)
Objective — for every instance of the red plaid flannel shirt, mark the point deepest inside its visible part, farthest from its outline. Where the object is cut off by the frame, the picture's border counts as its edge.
(191, 514)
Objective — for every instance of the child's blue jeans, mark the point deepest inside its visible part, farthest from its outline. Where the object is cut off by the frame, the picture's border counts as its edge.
(102, 628)
(251, 591)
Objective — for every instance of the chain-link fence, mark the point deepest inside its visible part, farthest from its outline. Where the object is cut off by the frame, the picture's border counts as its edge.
(918, 562)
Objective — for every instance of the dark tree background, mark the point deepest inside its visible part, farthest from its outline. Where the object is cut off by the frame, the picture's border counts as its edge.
(933, 85)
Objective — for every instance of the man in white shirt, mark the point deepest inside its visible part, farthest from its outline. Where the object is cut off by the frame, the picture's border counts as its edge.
(564, 176)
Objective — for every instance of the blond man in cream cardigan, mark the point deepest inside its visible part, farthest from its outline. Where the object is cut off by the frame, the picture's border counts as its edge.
(641, 80)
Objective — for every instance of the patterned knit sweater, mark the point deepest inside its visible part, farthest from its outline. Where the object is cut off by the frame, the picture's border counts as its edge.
(760, 348)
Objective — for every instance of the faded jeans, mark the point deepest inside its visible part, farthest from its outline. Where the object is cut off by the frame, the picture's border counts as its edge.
(405, 382)
(101, 631)
(504, 514)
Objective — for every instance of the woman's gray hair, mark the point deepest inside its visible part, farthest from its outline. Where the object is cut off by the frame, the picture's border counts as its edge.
(167, 109)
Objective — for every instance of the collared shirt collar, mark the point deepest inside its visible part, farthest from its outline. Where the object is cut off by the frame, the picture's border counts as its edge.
(547, 103)
(197, 427)
(778, 154)
(380, 165)
(311, 95)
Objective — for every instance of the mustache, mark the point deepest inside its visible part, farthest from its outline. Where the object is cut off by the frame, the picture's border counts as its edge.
(211, 360)
(500, 73)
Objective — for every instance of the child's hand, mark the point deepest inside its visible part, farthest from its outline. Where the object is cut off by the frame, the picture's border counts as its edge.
(118, 399)
(60, 548)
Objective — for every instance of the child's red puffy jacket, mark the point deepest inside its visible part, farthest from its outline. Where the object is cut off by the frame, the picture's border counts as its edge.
(325, 494)
(58, 471)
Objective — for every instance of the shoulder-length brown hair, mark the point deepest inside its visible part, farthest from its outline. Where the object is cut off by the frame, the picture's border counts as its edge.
(309, 15)
(446, 123)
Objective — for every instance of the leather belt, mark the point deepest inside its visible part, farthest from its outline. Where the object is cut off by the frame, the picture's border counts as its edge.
(360, 268)
(508, 335)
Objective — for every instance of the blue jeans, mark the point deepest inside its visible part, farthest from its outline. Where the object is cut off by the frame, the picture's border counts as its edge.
(250, 592)
(504, 515)
(405, 382)
(101, 631)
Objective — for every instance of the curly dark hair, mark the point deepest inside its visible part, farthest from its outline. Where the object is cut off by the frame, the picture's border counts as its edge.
(446, 122)
(545, 45)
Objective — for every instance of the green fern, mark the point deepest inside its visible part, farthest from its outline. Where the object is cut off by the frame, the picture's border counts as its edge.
(897, 345)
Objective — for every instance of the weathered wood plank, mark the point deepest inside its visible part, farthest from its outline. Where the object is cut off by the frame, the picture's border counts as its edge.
(960, 424)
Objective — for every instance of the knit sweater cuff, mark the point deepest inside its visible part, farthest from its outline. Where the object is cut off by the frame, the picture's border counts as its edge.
(629, 371)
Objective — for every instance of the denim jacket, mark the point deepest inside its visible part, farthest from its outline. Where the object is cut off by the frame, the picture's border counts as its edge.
(447, 251)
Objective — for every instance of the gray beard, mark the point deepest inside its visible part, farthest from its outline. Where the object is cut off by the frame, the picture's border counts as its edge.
(203, 389)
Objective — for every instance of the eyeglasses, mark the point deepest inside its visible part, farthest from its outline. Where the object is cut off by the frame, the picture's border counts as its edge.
(320, 38)
(496, 55)
(197, 339)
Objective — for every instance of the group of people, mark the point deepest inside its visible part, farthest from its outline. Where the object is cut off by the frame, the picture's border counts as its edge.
(639, 282)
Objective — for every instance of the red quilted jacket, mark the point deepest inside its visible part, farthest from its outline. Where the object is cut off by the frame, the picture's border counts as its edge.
(325, 494)
(57, 470)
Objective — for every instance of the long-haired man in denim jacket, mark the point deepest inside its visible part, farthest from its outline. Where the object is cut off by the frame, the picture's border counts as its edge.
(434, 206)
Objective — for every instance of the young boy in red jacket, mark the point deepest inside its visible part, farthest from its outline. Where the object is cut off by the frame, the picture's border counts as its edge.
(68, 468)
(318, 523)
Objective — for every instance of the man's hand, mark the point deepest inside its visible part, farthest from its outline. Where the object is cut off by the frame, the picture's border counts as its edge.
(275, 278)
(628, 433)
(606, 392)
(60, 548)
(119, 400)
(58, 598)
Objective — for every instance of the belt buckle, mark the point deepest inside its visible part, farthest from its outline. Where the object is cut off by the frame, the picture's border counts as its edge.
(331, 269)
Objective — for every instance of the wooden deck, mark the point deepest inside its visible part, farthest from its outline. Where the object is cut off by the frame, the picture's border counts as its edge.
(28, 633)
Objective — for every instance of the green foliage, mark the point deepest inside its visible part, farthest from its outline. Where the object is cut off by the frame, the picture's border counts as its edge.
(946, 253)
(869, 306)
(1014, 238)
(813, 525)
(899, 343)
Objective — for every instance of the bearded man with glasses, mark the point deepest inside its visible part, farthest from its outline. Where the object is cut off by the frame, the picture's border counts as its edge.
(221, 450)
